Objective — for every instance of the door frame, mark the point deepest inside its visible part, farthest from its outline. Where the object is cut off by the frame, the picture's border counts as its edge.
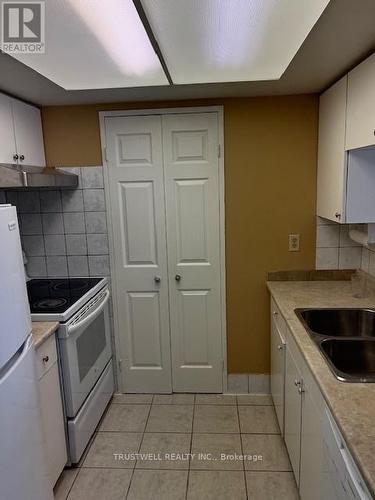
(165, 111)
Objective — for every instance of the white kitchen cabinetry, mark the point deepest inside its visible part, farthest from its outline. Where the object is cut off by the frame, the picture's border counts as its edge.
(21, 136)
(52, 411)
(360, 131)
(331, 152)
(28, 134)
(7, 139)
(346, 179)
(278, 327)
(293, 412)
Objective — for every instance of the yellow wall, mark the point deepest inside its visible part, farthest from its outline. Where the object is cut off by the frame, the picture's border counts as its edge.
(270, 189)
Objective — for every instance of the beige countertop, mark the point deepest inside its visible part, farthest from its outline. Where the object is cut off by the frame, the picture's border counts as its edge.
(352, 404)
(42, 330)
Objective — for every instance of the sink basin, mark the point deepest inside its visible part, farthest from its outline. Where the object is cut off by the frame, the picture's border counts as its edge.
(352, 360)
(339, 322)
(346, 338)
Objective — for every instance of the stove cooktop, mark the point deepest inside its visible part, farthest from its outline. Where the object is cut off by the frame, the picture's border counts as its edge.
(55, 296)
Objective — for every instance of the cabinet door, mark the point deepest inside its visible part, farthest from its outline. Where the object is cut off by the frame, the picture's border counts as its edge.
(277, 371)
(53, 423)
(311, 472)
(293, 409)
(29, 135)
(360, 128)
(331, 153)
(7, 141)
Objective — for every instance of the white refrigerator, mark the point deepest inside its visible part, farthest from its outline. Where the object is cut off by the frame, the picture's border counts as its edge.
(23, 471)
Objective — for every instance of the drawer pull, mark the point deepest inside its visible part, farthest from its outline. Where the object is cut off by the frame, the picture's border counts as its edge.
(280, 347)
(297, 383)
(45, 359)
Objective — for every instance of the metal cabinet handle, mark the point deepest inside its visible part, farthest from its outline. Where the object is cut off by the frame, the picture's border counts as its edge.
(15, 156)
(337, 215)
(45, 359)
(301, 390)
(280, 347)
(22, 157)
(297, 383)
(157, 279)
(275, 313)
(178, 277)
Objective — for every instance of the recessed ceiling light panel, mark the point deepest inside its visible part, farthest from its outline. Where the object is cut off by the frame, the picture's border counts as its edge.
(206, 41)
(94, 44)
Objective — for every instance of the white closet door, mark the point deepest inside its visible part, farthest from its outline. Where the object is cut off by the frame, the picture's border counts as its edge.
(191, 170)
(134, 155)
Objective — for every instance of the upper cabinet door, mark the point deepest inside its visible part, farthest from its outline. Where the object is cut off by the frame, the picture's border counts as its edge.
(7, 142)
(360, 131)
(29, 135)
(331, 153)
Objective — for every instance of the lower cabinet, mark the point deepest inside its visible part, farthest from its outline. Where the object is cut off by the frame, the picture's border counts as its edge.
(313, 450)
(52, 410)
(278, 364)
(293, 412)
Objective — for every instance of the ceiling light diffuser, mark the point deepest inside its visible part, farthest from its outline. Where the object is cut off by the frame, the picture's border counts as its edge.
(206, 41)
(94, 44)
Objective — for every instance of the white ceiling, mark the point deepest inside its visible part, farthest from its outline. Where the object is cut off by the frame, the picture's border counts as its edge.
(93, 44)
(205, 41)
(343, 36)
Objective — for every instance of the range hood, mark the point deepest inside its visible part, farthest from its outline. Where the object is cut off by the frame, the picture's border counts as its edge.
(22, 176)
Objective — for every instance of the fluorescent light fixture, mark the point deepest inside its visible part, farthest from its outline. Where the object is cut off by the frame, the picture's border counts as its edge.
(206, 41)
(96, 44)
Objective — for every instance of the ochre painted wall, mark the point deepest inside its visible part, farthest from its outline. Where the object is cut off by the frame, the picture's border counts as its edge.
(270, 189)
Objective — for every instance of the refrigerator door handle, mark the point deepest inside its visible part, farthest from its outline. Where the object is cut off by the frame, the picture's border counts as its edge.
(16, 360)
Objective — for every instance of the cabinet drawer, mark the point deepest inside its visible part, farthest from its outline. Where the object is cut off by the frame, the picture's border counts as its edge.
(277, 317)
(46, 356)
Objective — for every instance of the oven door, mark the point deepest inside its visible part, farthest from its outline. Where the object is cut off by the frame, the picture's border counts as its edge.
(85, 347)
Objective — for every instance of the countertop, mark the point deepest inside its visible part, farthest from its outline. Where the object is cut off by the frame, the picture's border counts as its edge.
(352, 404)
(42, 330)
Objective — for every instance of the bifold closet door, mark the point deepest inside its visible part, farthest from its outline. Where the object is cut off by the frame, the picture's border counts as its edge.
(191, 171)
(136, 194)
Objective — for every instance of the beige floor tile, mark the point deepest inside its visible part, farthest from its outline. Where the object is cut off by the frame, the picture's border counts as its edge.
(162, 445)
(215, 399)
(271, 485)
(216, 485)
(158, 485)
(125, 418)
(64, 483)
(270, 447)
(174, 399)
(170, 418)
(100, 484)
(219, 419)
(258, 420)
(255, 399)
(132, 399)
(107, 444)
(216, 445)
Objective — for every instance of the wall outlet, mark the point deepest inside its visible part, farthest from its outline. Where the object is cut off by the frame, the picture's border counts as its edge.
(294, 243)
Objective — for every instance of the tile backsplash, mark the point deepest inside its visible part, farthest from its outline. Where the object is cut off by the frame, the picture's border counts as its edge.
(64, 231)
(335, 250)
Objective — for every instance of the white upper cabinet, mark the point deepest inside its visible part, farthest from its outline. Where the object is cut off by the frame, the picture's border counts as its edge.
(360, 131)
(21, 136)
(28, 133)
(7, 139)
(331, 153)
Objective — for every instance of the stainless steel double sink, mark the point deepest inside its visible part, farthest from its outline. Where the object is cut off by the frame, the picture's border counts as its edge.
(346, 338)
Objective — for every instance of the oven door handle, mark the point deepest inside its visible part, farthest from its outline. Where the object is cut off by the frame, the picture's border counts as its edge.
(87, 319)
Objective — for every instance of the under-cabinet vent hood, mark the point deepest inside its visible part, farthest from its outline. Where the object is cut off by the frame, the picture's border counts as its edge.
(22, 176)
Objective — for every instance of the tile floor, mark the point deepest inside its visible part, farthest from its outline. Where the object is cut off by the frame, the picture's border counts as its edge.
(145, 430)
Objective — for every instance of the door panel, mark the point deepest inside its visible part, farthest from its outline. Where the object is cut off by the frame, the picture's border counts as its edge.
(191, 171)
(136, 195)
(144, 328)
(277, 371)
(138, 229)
